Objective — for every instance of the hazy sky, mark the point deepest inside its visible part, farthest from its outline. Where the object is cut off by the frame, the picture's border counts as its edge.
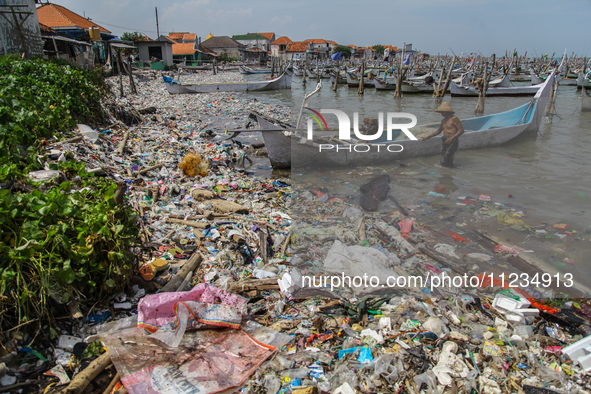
(432, 26)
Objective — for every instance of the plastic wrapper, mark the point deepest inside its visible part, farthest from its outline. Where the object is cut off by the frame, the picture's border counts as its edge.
(195, 315)
(159, 310)
(207, 361)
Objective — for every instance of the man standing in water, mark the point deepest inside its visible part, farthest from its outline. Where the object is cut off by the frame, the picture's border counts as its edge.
(452, 129)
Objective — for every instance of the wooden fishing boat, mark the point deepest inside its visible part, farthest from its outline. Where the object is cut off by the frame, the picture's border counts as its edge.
(585, 101)
(184, 66)
(353, 81)
(425, 86)
(380, 84)
(471, 90)
(538, 79)
(290, 148)
(279, 83)
(584, 81)
(248, 70)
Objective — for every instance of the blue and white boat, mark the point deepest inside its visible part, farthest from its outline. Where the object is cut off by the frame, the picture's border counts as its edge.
(480, 132)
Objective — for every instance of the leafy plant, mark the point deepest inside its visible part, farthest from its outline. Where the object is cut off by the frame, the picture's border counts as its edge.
(67, 240)
(345, 50)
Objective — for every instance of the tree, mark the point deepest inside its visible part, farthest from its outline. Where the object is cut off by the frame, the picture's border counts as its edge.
(133, 36)
(345, 50)
(379, 49)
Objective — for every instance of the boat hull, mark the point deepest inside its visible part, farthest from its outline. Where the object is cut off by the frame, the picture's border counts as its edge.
(279, 83)
(471, 90)
(585, 101)
(290, 150)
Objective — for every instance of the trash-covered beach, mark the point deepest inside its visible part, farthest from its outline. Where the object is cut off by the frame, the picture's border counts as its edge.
(232, 284)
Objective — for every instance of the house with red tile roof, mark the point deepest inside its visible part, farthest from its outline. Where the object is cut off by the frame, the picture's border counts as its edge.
(63, 20)
(320, 47)
(279, 46)
(268, 36)
(224, 45)
(256, 40)
(183, 37)
(297, 49)
(332, 44)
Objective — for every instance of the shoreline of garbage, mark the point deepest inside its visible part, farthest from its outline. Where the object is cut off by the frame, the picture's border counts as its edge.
(221, 256)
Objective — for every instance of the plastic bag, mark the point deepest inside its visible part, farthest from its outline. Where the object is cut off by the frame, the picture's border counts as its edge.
(210, 361)
(157, 310)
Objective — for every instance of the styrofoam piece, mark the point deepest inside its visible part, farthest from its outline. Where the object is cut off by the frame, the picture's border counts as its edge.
(527, 311)
(503, 303)
(580, 352)
(67, 342)
(290, 282)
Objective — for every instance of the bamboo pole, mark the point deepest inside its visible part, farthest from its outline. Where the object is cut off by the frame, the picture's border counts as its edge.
(398, 91)
(336, 79)
(361, 79)
(482, 91)
(119, 65)
(441, 93)
(436, 92)
(188, 223)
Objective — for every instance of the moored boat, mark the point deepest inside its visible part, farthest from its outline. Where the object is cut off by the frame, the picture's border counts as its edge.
(248, 70)
(281, 82)
(585, 101)
(481, 132)
(471, 90)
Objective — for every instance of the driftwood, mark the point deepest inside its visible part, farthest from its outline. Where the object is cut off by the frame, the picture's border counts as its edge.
(123, 143)
(402, 209)
(68, 141)
(178, 279)
(112, 384)
(188, 223)
(151, 168)
(84, 378)
(255, 285)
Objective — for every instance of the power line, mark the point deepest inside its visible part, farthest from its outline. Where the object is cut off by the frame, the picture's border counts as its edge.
(123, 27)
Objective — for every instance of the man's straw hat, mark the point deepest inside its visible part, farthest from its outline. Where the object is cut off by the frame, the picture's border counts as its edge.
(445, 107)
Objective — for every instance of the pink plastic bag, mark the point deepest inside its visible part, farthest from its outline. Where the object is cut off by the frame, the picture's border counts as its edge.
(158, 310)
(207, 361)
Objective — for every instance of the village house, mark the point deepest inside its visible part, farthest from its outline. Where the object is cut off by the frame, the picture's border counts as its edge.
(74, 38)
(297, 50)
(183, 37)
(279, 47)
(64, 21)
(225, 47)
(161, 49)
(319, 48)
(256, 40)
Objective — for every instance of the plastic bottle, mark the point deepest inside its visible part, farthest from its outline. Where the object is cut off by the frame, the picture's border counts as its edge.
(295, 373)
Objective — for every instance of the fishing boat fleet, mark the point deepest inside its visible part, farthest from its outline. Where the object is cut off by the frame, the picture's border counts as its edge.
(460, 78)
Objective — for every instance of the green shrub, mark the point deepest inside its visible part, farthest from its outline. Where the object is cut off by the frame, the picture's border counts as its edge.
(67, 240)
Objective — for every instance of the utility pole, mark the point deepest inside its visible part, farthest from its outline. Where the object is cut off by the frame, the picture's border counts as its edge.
(15, 23)
(157, 28)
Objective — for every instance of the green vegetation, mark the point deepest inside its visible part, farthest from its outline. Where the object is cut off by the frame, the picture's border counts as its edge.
(345, 50)
(133, 36)
(379, 49)
(225, 58)
(67, 240)
(40, 98)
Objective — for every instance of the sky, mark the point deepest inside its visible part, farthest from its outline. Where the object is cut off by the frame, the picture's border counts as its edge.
(432, 26)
